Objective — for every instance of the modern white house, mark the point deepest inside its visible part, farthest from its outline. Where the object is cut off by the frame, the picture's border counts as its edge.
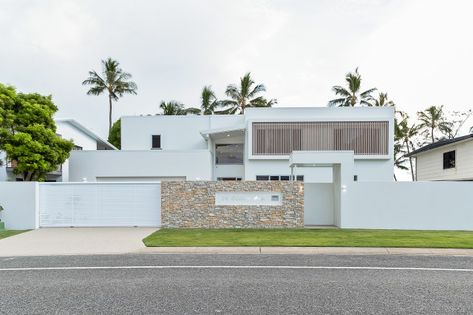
(344, 156)
(254, 146)
(70, 129)
(449, 159)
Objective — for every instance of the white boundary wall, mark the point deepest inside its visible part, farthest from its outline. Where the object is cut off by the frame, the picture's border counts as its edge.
(366, 205)
(21, 204)
(409, 205)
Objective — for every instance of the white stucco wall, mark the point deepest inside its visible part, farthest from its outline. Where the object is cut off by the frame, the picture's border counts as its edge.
(318, 204)
(430, 164)
(19, 199)
(369, 170)
(194, 165)
(177, 132)
(408, 205)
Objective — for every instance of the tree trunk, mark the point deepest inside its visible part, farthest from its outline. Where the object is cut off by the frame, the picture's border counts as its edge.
(410, 161)
(109, 113)
(395, 178)
(432, 134)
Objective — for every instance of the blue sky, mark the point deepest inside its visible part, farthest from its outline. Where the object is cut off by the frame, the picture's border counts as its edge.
(420, 52)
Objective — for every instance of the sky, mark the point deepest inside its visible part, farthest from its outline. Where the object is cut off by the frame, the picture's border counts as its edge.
(419, 52)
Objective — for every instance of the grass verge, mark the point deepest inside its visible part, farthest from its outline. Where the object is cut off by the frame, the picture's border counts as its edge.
(309, 237)
(7, 233)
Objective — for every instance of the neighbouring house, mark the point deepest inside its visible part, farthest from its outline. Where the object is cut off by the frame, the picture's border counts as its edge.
(83, 138)
(448, 159)
(255, 146)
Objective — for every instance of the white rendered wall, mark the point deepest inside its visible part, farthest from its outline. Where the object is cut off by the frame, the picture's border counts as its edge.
(369, 170)
(79, 138)
(177, 132)
(19, 199)
(408, 205)
(318, 204)
(430, 164)
(194, 165)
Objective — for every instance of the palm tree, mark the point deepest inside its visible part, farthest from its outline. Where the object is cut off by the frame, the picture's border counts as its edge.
(209, 102)
(381, 101)
(405, 134)
(399, 158)
(114, 81)
(433, 119)
(351, 96)
(245, 95)
(177, 108)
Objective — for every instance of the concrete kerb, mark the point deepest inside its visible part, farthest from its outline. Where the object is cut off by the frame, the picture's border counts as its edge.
(310, 251)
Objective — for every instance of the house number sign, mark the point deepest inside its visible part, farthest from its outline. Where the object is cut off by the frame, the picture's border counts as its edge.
(248, 199)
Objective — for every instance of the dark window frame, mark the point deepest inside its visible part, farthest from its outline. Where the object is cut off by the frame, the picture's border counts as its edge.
(449, 160)
(156, 142)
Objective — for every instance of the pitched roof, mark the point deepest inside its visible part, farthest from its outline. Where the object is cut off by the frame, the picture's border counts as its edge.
(87, 131)
(440, 143)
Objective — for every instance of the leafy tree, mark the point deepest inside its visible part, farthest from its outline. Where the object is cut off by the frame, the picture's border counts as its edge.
(381, 101)
(351, 95)
(114, 135)
(433, 122)
(176, 108)
(28, 134)
(209, 102)
(458, 120)
(114, 81)
(245, 95)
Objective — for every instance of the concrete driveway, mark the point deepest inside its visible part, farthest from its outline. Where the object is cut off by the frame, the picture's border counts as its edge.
(75, 241)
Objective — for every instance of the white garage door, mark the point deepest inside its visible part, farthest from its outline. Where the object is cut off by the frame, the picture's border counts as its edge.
(99, 204)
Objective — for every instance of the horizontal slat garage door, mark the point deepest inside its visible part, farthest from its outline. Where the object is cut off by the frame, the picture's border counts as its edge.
(99, 204)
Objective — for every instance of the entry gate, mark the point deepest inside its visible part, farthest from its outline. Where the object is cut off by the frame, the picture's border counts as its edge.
(99, 204)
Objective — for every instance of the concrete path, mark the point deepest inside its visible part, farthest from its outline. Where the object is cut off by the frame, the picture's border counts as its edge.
(310, 250)
(75, 241)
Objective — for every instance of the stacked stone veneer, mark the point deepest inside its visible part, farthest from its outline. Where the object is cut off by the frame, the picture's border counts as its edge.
(191, 204)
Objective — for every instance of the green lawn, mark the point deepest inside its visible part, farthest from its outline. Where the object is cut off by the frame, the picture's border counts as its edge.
(310, 237)
(7, 233)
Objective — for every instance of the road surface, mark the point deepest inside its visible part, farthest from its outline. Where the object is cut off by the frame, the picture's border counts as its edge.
(236, 284)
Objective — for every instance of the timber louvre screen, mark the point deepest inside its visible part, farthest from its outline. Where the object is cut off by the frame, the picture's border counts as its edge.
(281, 138)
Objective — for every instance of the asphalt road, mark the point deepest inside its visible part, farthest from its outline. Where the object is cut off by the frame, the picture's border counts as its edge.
(236, 284)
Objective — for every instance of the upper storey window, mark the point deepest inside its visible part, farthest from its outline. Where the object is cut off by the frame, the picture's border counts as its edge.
(156, 142)
(281, 138)
(228, 154)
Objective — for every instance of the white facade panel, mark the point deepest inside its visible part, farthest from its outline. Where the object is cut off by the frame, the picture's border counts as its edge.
(177, 132)
(90, 165)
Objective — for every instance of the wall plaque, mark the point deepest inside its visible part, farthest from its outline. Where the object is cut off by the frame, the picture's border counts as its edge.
(259, 198)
